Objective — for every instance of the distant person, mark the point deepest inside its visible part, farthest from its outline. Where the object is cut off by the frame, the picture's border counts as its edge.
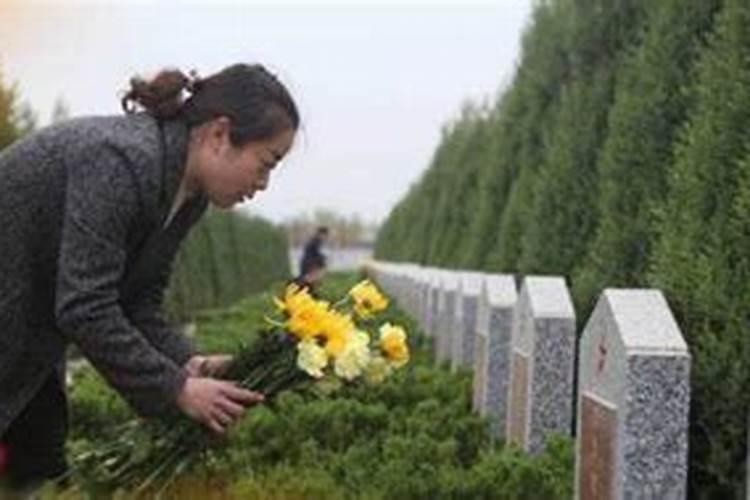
(315, 270)
(93, 211)
(312, 252)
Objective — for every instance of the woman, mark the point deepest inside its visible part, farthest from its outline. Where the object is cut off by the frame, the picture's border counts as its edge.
(92, 212)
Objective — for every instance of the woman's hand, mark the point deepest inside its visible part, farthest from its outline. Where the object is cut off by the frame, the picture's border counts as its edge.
(215, 403)
(212, 365)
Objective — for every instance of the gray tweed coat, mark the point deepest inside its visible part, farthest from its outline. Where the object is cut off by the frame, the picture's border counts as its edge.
(84, 257)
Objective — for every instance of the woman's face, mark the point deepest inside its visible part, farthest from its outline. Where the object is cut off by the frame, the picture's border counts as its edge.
(229, 175)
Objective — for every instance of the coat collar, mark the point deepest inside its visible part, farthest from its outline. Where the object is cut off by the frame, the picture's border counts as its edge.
(175, 135)
(174, 142)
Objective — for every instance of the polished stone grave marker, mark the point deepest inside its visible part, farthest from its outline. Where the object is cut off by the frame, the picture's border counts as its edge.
(633, 400)
(445, 328)
(542, 363)
(497, 300)
(469, 286)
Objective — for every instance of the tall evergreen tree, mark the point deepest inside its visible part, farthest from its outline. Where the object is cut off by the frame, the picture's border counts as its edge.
(541, 74)
(9, 131)
(494, 179)
(464, 195)
(649, 107)
(693, 254)
(563, 215)
(448, 174)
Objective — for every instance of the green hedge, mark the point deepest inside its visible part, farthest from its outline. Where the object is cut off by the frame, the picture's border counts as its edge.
(226, 256)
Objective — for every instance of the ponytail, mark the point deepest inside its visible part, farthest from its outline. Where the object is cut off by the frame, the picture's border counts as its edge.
(161, 97)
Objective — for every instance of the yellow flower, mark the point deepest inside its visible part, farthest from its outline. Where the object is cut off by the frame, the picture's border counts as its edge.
(355, 356)
(307, 320)
(377, 370)
(294, 299)
(289, 292)
(306, 316)
(393, 344)
(335, 331)
(367, 299)
(311, 358)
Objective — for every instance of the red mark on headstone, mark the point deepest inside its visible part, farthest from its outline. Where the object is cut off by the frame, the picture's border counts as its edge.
(602, 355)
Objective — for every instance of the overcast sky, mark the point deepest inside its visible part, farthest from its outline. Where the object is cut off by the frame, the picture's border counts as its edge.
(375, 81)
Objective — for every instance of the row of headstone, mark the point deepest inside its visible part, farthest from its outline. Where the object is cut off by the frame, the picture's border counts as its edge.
(629, 405)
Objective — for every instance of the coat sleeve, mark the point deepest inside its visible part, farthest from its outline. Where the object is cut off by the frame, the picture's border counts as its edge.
(147, 314)
(101, 205)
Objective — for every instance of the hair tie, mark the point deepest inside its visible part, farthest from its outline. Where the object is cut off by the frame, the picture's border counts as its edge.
(194, 82)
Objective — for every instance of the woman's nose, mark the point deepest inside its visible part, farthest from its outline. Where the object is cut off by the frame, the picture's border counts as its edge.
(265, 179)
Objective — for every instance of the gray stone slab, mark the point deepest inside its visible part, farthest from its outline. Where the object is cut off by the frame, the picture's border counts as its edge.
(436, 320)
(633, 400)
(469, 287)
(398, 286)
(542, 359)
(383, 276)
(425, 284)
(497, 301)
(415, 272)
(407, 289)
(401, 287)
(446, 323)
(425, 300)
(372, 269)
(433, 315)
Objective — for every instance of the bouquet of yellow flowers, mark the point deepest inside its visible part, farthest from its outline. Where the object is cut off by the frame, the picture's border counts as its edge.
(305, 341)
(327, 337)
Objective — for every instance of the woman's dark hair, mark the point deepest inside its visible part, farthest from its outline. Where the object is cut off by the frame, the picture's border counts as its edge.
(256, 102)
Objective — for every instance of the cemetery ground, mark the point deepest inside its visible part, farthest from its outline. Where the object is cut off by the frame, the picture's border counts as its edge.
(413, 436)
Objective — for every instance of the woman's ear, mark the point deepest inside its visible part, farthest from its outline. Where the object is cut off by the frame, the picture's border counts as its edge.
(219, 132)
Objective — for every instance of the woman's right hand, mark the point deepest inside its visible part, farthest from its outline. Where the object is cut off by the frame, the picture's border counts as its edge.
(215, 403)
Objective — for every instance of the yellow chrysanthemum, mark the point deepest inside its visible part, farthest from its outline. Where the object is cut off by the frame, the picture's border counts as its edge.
(289, 292)
(393, 344)
(294, 299)
(367, 299)
(377, 370)
(308, 320)
(311, 358)
(354, 358)
(306, 316)
(335, 331)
